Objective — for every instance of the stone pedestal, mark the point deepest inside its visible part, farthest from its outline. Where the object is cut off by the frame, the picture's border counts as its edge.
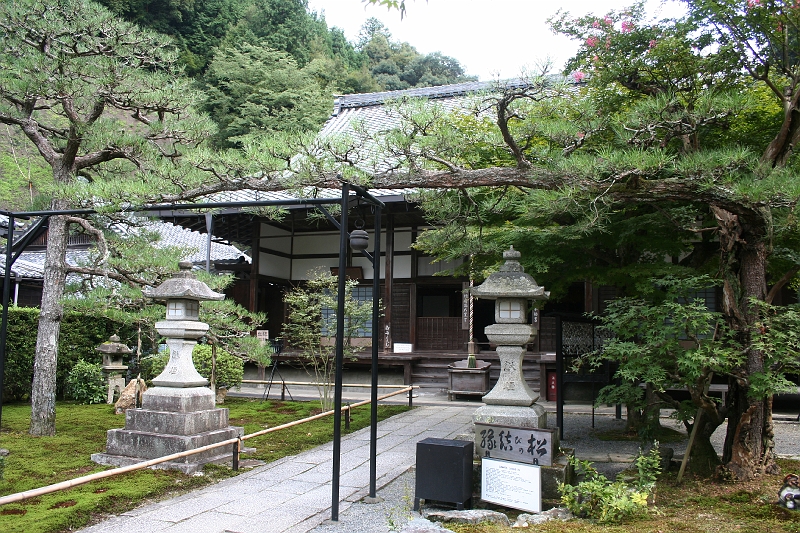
(511, 387)
(116, 384)
(171, 420)
(533, 416)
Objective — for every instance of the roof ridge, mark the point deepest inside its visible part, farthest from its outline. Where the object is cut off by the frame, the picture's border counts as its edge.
(345, 101)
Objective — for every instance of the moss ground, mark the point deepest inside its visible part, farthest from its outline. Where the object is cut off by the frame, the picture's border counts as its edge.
(81, 430)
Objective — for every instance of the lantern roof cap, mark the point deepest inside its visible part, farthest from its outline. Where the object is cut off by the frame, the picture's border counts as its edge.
(183, 285)
(510, 281)
(112, 346)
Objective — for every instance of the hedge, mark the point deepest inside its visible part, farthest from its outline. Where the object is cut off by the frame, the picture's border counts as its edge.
(80, 335)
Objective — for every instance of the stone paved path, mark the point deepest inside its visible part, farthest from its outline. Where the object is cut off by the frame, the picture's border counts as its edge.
(293, 495)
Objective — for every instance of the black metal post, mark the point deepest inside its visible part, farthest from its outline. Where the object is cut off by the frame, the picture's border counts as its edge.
(559, 378)
(373, 424)
(6, 296)
(337, 391)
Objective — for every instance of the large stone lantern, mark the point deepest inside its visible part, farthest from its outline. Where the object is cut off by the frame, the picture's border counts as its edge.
(178, 413)
(512, 289)
(182, 294)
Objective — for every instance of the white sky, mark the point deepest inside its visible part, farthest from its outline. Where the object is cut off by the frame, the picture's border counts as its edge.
(490, 38)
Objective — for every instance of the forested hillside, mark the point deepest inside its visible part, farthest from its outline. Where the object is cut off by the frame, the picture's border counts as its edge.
(262, 65)
(376, 62)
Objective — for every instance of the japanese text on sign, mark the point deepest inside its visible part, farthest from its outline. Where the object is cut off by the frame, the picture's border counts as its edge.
(522, 445)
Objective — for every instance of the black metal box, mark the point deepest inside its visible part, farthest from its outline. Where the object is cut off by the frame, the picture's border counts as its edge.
(444, 472)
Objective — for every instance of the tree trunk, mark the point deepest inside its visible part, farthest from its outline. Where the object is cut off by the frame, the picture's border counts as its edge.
(633, 419)
(749, 448)
(43, 395)
(703, 457)
(645, 422)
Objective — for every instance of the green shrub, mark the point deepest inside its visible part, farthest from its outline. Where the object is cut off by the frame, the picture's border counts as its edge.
(79, 337)
(229, 368)
(20, 347)
(86, 384)
(607, 501)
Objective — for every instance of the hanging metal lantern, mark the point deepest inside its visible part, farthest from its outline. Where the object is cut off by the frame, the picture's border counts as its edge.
(359, 239)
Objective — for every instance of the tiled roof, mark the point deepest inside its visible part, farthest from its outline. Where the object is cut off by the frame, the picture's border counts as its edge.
(440, 91)
(172, 235)
(369, 111)
(30, 263)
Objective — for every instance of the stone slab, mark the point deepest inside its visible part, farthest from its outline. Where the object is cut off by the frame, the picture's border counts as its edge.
(176, 423)
(186, 468)
(534, 416)
(178, 400)
(144, 446)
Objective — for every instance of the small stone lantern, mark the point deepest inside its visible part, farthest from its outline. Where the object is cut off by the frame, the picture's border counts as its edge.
(182, 294)
(113, 367)
(511, 289)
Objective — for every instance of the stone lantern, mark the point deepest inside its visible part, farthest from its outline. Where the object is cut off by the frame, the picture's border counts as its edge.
(113, 353)
(511, 400)
(182, 294)
(178, 413)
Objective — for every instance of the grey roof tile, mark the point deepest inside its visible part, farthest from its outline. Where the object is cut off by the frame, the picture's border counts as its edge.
(30, 263)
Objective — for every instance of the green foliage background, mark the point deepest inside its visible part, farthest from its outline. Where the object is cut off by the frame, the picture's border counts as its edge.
(80, 335)
(229, 368)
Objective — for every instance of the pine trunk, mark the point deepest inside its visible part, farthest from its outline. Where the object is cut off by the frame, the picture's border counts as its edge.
(748, 450)
(43, 395)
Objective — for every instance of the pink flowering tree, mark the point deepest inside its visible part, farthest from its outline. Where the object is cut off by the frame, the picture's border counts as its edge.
(720, 91)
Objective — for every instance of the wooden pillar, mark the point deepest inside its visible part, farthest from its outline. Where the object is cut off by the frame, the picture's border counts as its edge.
(588, 297)
(255, 255)
(412, 293)
(389, 284)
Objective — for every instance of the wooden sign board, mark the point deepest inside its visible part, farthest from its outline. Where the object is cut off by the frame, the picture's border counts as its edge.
(262, 334)
(511, 484)
(535, 446)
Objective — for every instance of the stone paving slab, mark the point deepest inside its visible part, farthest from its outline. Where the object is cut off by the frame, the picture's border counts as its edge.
(293, 494)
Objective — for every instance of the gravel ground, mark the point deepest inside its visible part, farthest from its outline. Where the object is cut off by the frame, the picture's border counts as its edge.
(398, 496)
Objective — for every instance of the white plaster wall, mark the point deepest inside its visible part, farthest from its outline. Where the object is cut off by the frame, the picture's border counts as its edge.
(402, 240)
(300, 267)
(426, 268)
(277, 239)
(366, 265)
(326, 243)
(402, 267)
(272, 265)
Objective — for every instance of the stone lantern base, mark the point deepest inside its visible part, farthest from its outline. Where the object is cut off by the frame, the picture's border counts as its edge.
(533, 416)
(171, 420)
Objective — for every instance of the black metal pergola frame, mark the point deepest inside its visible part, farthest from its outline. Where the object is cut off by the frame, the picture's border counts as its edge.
(344, 234)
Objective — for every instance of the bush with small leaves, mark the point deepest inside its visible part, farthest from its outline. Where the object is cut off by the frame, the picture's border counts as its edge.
(86, 384)
(609, 502)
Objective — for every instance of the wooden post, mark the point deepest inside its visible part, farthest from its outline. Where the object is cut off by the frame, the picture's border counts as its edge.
(388, 285)
(255, 253)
